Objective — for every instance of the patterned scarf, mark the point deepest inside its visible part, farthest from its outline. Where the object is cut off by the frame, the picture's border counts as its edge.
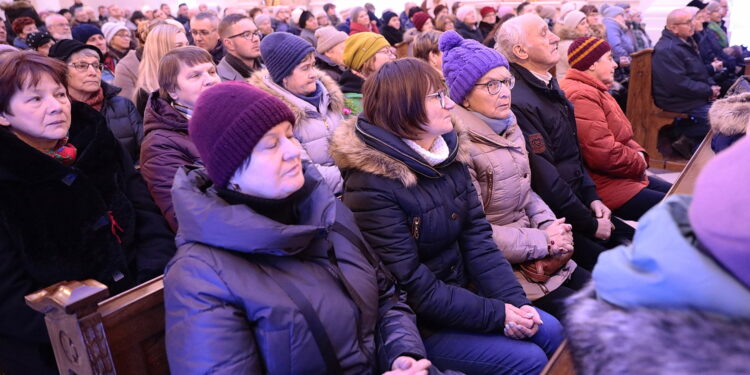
(97, 101)
(720, 33)
(63, 152)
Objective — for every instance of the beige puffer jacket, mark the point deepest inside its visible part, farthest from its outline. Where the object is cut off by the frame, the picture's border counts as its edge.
(500, 171)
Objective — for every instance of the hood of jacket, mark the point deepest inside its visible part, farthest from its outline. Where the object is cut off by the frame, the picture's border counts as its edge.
(566, 33)
(334, 97)
(731, 115)
(358, 144)
(160, 115)
(206, 218)
(351, 82)
(664, 268)
(653, 341)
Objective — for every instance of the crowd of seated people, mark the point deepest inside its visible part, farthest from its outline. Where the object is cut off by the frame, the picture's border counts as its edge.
(318, 204)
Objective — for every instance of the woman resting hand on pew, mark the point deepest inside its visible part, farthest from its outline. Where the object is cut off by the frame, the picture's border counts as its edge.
(272, 275)
(72, 207)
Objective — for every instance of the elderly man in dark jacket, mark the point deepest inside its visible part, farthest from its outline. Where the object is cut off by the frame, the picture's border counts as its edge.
(547, 120)
(680, 79)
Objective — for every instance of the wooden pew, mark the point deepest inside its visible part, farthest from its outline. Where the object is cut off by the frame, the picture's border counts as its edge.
(686, 182)
(647, 119)
(561, 363)
(92, 335)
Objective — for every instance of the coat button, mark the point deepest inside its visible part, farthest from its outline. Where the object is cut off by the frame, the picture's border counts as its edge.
(454, 216)
(525, 175)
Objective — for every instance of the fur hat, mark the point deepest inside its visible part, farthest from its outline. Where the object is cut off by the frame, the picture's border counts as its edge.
(731, 115)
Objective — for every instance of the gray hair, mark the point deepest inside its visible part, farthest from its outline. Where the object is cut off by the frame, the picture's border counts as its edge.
(208, 16)
(52, 17)
(84, 52)
(511, 34)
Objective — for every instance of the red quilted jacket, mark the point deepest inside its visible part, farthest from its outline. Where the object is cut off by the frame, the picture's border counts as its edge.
(606, 139)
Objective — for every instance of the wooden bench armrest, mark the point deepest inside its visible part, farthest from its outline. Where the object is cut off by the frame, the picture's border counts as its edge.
(561, 362)
(68, 297)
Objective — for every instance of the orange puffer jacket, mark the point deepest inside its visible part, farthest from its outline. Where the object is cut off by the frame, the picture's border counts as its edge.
(606, 139)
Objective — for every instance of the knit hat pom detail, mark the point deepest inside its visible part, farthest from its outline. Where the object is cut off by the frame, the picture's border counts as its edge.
(449, 40)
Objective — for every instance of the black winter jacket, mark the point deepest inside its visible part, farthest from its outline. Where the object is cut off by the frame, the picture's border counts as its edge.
(680, 79)
(428, 226)
(94, 219)
(468, 33)
(123, 120)
(226, 314)
(557, 172)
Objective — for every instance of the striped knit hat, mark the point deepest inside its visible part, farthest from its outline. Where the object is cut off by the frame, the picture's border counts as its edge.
(585, 51)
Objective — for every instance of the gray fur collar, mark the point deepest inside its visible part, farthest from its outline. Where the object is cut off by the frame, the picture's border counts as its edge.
(731, 115)
(606, 339)
(258, 79)
(350, 152)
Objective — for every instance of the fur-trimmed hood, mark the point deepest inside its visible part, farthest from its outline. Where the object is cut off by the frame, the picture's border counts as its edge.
(606, 339)
(384, 154)
(731, 115)
(565, 33)
(261, 80)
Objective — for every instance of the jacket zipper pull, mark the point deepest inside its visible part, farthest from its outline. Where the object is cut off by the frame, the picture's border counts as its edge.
(415, 227)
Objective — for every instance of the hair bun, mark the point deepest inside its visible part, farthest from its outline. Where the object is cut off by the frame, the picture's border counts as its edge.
(449, 40)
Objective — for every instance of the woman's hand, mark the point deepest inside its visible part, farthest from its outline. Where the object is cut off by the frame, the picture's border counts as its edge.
(559, 237)
(519, 324)
(409, 366)
(600, 210)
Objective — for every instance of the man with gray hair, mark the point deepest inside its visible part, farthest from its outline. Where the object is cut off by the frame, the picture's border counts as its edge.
(547, 120)
(204, 28)
(58, 26)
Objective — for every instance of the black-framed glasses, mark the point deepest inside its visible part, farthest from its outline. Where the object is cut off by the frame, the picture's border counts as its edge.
(494, 86)
(249, 35)
(84, 67)
(441, 95)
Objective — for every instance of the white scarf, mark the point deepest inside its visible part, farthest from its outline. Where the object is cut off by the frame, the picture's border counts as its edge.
(435, 155)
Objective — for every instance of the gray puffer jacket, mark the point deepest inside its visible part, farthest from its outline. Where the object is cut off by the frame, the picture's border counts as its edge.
(123, 120)
(226, 314)
(313, 126)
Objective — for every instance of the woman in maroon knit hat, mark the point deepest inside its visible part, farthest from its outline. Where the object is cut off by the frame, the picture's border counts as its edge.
(616, 162)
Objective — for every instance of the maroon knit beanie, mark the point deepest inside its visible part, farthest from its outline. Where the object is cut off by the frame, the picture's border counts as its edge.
(419, 19)
(228, 121)
(486, 10)
(585, 51)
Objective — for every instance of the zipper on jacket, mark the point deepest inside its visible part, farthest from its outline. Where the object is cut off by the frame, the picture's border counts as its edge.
(490, 183)
(415, 227)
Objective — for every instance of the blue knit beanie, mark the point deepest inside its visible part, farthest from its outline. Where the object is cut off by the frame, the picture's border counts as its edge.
(465, 61)
(83, 32)
(282, 52)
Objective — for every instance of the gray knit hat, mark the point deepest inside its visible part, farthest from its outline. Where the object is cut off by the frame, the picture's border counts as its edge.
(329, 37)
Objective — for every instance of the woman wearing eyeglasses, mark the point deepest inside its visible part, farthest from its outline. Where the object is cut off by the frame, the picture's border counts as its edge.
(312, 95)
(364, 54)
(413, 199)
(524, 228)
(72, 205)
(85, 84)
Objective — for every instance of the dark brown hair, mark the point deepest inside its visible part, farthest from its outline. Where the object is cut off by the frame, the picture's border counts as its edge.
(21, 69)
(173, 61)
(394, 97)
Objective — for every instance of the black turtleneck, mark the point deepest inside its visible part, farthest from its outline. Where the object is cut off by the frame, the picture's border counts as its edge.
(282, 210)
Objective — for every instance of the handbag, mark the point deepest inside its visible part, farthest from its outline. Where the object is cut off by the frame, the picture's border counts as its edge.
(540, 270)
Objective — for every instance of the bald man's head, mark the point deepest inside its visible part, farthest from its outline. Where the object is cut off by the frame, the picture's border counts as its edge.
(680, 22)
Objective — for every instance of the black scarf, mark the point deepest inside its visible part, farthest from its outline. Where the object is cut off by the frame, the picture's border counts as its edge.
(392, 35)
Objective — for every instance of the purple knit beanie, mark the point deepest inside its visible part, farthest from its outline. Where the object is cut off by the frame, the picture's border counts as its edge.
(228, 121)
(720, 210)
(282, 52)
(465, 61)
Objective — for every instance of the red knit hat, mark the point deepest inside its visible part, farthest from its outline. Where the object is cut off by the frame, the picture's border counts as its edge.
(487, 10)
(419, 19)
(228, 121)
(585, 51)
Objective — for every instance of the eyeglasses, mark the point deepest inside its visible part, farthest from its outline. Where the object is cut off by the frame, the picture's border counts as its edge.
(123, 34)
(387, 51)
(84, 67)
(249, 35)
(201, 32)
(494, 86)
(441, 95)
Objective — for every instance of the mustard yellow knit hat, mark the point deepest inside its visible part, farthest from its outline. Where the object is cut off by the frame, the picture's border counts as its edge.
(359, 47)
